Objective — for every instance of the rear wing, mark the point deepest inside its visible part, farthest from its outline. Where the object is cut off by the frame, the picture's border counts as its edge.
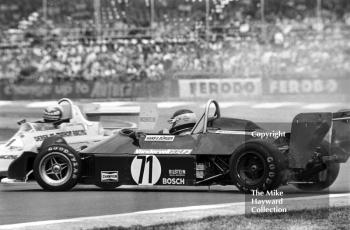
(328, 133)
(340, 139)
(342, 116)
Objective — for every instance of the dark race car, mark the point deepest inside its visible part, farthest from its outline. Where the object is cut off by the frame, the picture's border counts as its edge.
(218, 150)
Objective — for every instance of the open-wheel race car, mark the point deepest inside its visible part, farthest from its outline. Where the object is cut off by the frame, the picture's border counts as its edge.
(26, 143)
(218, 150)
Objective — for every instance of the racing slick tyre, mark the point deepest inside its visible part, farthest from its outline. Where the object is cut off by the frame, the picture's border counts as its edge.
(257, 165)
(57, 168)
(330, 174)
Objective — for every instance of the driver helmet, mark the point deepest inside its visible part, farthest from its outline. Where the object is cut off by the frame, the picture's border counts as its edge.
(53, 113)
(182, 120)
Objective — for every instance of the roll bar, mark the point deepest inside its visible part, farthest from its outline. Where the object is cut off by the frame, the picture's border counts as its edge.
(65, 100)
(206, 114)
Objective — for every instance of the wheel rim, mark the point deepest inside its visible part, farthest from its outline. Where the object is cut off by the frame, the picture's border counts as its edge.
(250, 168)
(55, 169)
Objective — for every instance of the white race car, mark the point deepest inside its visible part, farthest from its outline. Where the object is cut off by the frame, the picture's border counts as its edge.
(73, 126)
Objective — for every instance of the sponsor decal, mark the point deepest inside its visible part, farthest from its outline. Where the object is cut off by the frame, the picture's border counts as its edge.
(303, 86)
(233, 132)
(62, 134)
(177, 172)
(15, 148)
(148, 116)
(163, 151)
(43, 137)
(260, 134)
(173, 181)
(146, 170)
(148, 119)
(109, 176)
(10, 142)
(159, 138)
(200, 174)
(204, 88)
(8, 157)
(200, 168)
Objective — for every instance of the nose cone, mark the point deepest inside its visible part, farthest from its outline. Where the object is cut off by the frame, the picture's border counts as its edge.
(4, 165)
(7, 155)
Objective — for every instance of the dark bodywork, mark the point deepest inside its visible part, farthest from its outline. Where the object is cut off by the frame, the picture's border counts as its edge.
(201, 158)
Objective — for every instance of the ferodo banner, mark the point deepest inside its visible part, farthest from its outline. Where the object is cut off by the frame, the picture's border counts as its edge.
(304, 86)
(224, 88)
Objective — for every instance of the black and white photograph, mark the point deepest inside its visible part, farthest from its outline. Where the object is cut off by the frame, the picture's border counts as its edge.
(174, 114)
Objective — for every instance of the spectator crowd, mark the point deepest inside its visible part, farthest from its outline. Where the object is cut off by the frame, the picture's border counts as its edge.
(238, 46)
(129, 60)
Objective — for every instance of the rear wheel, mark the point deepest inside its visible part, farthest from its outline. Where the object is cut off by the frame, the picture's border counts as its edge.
(326, 178)
(256, 166)
(57, 168)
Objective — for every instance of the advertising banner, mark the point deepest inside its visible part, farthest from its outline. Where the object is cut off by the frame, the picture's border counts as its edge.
(224, 88)
(306, 86)
(82, 89)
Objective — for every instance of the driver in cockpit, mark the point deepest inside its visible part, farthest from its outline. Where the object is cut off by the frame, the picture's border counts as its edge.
(53, 114)
(181, 122)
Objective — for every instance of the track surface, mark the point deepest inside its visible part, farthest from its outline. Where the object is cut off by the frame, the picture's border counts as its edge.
(27, 203)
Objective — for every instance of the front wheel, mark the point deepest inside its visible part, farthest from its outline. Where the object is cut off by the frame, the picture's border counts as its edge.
(256, 166)
(57, 168)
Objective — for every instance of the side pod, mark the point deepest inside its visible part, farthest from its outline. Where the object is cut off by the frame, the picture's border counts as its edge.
(19, 168)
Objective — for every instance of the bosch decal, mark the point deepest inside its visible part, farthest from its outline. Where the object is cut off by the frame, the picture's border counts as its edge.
(109, 176)
(159, 138)
(173, 181)
(163, 151)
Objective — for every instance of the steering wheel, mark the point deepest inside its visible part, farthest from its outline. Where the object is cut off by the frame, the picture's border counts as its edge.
(132, 133)
(126, 132)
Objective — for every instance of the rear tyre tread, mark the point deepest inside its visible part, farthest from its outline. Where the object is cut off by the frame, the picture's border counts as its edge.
(273, 165)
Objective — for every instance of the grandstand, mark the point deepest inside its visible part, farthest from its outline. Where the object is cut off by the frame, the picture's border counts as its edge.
(129, 40)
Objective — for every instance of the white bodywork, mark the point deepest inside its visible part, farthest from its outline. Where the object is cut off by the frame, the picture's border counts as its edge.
(78, 132)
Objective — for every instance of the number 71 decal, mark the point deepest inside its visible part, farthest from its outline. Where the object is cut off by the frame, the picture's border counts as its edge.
(145, 169)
